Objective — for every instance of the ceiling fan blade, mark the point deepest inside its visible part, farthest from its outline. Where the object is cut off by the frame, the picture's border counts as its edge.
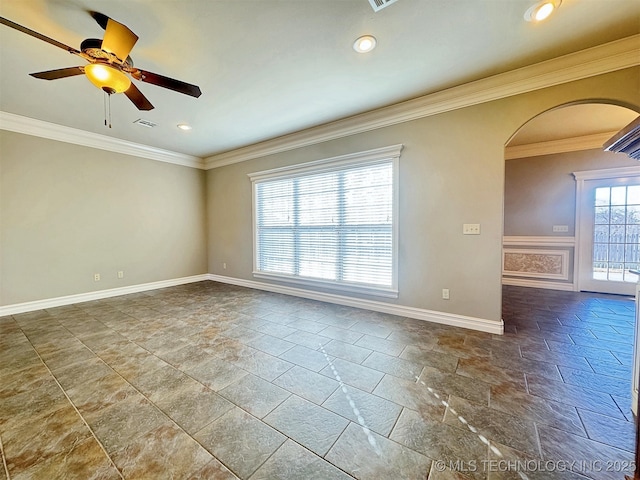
(138, 99)
(118, 39)
(101, 18)
(59, 73)
(166, 82)
(35, 34)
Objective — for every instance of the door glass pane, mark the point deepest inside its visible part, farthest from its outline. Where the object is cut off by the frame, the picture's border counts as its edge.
(633, 195)
(619, 196)
(616, 233)
(618, 215)
(602, 215)
(603, 196)
(633, 234)
(633, 215)
(601, 234)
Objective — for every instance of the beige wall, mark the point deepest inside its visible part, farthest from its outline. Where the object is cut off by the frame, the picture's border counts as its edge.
(67, 212)
(541, 191)
(451, 172)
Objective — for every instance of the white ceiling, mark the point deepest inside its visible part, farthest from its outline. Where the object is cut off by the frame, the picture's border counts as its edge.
(271, 67)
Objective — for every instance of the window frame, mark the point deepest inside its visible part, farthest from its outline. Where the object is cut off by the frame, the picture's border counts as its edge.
(389, 154)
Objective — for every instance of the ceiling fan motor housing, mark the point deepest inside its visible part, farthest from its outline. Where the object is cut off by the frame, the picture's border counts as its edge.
(92, 47)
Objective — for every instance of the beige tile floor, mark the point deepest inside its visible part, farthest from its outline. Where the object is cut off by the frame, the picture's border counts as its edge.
(209, 381)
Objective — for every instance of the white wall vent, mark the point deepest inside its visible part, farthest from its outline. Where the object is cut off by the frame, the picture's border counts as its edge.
(145, 123)
(378, 5)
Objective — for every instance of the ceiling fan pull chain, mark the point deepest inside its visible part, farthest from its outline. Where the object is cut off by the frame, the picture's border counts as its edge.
(107, 108)
(109, 102)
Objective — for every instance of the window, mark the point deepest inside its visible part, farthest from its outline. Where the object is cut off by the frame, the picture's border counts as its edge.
(330, 223)
(616, 237)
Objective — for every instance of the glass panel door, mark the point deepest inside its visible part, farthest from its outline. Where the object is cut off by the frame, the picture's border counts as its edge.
(611, 220)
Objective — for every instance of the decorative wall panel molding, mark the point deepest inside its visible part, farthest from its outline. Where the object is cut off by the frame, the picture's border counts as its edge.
(536, 263)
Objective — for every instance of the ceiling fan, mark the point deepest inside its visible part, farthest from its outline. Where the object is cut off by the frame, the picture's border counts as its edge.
(109, 62)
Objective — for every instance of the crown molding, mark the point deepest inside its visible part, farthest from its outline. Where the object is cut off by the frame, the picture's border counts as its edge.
(39, 128)
(574, 144)
(601, 174)
(594, 61)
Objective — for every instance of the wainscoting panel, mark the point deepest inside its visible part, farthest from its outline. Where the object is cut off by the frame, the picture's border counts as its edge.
(550, 264)
(541, 262)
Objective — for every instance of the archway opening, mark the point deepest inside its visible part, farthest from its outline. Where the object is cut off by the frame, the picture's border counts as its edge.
(540, 190)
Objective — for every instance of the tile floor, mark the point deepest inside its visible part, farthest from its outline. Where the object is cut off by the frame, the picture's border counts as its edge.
(210, 381)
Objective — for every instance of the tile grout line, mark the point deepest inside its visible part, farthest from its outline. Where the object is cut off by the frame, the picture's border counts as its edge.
(295, 441)
(132, 386)
(93, 434)
(460, 418)
(371, 439)
(160, 409)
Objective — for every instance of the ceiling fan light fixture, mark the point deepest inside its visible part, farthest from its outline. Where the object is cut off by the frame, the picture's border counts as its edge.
(365, 44)
(541, 10)
(107, 78)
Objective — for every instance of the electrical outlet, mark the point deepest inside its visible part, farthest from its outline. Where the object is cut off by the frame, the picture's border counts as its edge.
(96, 277)
(224, 266)
(471, 229)
(120, 274)
(561, 228)
(445, 293)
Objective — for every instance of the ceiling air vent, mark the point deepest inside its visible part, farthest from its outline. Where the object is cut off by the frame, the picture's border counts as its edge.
(626, 140)
(146, 123)
(378, 5)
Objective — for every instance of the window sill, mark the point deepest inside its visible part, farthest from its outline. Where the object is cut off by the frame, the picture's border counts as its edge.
(387, 292)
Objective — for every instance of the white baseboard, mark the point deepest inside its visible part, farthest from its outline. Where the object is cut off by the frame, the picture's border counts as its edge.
(522, 282)
(98, 295)
(473, 323)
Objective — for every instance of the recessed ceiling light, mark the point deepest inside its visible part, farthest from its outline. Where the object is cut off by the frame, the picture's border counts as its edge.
(365, 44)
(184, 126)
(541, 10)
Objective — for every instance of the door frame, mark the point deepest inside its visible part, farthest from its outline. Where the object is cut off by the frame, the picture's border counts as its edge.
(583, 243)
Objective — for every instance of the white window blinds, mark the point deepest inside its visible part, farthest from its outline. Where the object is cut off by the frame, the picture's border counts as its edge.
(333, 225)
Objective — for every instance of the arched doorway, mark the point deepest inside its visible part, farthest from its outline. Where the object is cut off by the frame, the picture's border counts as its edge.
(574, 211)
(547, 241)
